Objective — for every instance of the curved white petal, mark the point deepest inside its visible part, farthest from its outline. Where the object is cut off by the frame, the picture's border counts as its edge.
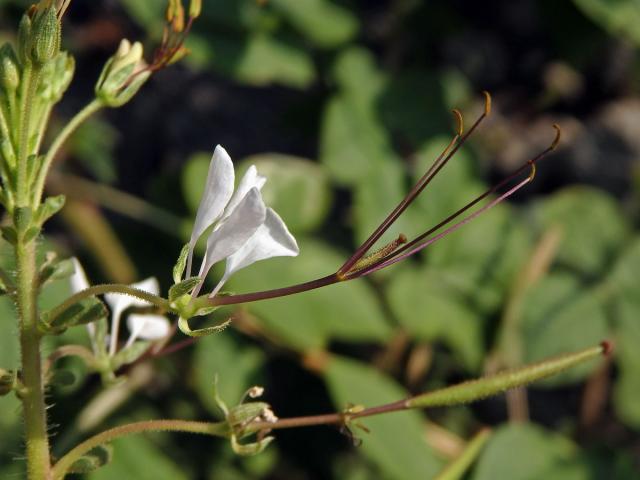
(119, 302)
(217, 192)
(78, 280)
(272, 239)
(249, 180)
(235, 230)
(147, 327)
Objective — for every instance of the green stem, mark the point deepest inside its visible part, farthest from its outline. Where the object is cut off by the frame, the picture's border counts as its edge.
(32, 396)
(28, 92)
(457, 468)
(205, 428)
(110, 288)
(64, 134)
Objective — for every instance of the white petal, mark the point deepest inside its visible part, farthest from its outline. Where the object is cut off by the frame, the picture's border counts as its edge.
(217, 192)
(250, 180)
(235, 231)
(272, 239)
(78, 280)
(147, 327)
(119, 302)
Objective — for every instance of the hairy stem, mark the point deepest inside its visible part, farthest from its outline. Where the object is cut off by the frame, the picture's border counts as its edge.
(28, 91)
(205, 428)
(110, 288)
(62, 137)
(32, 396)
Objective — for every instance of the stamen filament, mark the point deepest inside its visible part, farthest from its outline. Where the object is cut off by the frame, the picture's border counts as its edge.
(458, 140)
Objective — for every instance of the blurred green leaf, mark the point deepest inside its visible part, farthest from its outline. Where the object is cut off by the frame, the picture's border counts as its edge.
(618, 17)
(380, 191)
(353, 141)
(481, 259)
(396, 443)
(627, 335)
(624, 275)
(148, 14)
(323, 22)
(347, 311)
(592, 227)
(92, 145)
(525, 452)
(296, 188)
(236, 364)
(193, 178)
(429, 311)
(137, 457)
(559, 316)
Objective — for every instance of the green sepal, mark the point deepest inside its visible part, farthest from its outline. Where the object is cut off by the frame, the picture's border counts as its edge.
(183, 324)
(242, 415)
(92, 460)
(181, 264)
(9, 234)
(83, 312)
(100, 336)
(183, 288)
(129, 354)
(8, 381)
(49, 208)
(250, 449)
(62, 378)
(54, 269)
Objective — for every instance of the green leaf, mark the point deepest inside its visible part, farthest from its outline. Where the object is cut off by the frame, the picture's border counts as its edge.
(592, 226)
(624, 276)
(193, 178)
(618, 17)
(236, 364)
(296, 188)
(482, 258)
(92, 460)
(431, 311)
(558, 316)
(181, 263)
(321, 21)
(396, 443)
(353, 141)
(137, 457)
(627, 334)
(83, 312)
(56, 270)
(524, 452)
(347, 311)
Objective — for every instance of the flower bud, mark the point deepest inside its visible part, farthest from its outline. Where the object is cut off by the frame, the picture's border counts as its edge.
(9, 70)
(24, 39)
(45, 41)
(123, 75)
(195, 7)
(7, 381)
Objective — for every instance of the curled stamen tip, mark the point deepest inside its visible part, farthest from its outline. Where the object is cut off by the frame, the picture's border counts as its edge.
(487, 103)
(460, 120)
(556, 140)
(532, 175)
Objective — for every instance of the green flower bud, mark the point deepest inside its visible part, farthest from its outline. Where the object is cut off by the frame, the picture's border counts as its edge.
(123, 75)
(195, 7)
(9, 69)
(24, 39)
(45, 36)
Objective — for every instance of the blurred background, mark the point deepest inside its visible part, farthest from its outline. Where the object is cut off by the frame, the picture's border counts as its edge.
(342, 104)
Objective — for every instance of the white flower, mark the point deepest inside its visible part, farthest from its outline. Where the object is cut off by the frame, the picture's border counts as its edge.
(244, 229)
(146, 327)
